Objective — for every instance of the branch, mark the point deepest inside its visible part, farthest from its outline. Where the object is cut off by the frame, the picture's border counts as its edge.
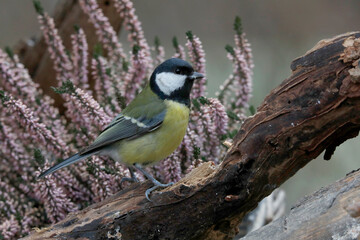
(331, 213)
(316, 109)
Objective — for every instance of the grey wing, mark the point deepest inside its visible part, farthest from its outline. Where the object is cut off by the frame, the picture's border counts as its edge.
(124, 127)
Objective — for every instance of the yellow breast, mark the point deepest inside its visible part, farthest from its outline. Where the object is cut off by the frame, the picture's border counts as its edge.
(157, 145)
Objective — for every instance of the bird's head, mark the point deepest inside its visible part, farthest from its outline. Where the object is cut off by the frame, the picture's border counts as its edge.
(173, 79)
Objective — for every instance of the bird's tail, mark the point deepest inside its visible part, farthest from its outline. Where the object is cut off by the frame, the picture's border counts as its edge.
(74, 158)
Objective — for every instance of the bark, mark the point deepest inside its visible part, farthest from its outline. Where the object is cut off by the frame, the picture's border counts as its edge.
(67, 13)
(315, 109)
(332, 212)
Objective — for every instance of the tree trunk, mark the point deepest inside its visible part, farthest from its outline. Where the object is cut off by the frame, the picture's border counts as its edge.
(332, 212)
(316, 109)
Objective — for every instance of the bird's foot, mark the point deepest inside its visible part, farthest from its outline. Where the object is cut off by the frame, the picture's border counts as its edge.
(128, 179)
(158, 185)
(155, 182)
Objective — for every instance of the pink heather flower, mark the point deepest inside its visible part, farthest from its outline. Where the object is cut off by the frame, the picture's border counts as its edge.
(180, 52)
(133, 26)
(196, 125)
(244, 78)
(62, 63)
(208, 124)
(105, 86)
(215, 122)
(38, 131)
(159, 52)
(71, 185)
(188, 144)
(160, 57)
(171, 167)
(9, 203)
(102, 184)
(50, 116)
(10, 228)
(89, 109)
(12, 203)
(197, 57)
(80, 59)
(13, 150)
(219, 116)
(242, 43)
(15, 78)
(104, 30)
(121, 170)
(30, 220)
(211, 145)
(81, 125)
(17, 81)
(134, 78)
(56, 203)
(235, 92)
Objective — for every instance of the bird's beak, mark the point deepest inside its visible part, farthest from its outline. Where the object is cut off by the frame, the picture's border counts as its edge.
(196, 75)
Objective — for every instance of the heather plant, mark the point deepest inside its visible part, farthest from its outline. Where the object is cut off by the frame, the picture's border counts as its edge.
(34, 134)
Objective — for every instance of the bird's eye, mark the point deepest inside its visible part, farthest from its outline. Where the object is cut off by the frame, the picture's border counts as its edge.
(178, 71)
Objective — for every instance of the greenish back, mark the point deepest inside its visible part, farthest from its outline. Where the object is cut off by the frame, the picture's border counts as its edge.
(144, 114)
(146, 104)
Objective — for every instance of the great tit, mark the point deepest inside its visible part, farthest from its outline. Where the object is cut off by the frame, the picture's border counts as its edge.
(151, 127)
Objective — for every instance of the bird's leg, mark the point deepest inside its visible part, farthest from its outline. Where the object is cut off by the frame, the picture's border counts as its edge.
(156, 182)
(132, 178)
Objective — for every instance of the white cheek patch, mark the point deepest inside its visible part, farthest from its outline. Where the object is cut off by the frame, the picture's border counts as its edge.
(169, 82)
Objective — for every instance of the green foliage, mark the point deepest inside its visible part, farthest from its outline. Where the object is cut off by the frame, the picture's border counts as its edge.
(157, 42)
(66, 87)
(232, 115)
(121, 100)
(232, 134)
(4, 97)
(98, 50)
(203, 100)
(190, 35)
(196, 104)
(252, 110)
(38, 8)
(91, 168)
(109, 170)
(125, 65)
(136, 49)
(229, 134)
(238, 26)
(38, 157)
(196, 152)
(230, 49)
(9, 52)
(76, 28)
(175, 42)
(108, 71)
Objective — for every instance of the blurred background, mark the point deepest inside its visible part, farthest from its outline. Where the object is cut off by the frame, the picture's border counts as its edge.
(279, 31)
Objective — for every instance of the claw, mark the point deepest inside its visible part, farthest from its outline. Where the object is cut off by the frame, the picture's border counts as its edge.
(127, 179)
(155, 182)
(130, 179)
(147, 193)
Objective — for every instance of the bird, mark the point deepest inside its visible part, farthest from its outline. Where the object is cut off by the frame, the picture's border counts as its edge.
(150, 127)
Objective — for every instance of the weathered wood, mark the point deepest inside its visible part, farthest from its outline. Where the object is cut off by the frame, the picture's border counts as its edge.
(333, 212)
(316, 109)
